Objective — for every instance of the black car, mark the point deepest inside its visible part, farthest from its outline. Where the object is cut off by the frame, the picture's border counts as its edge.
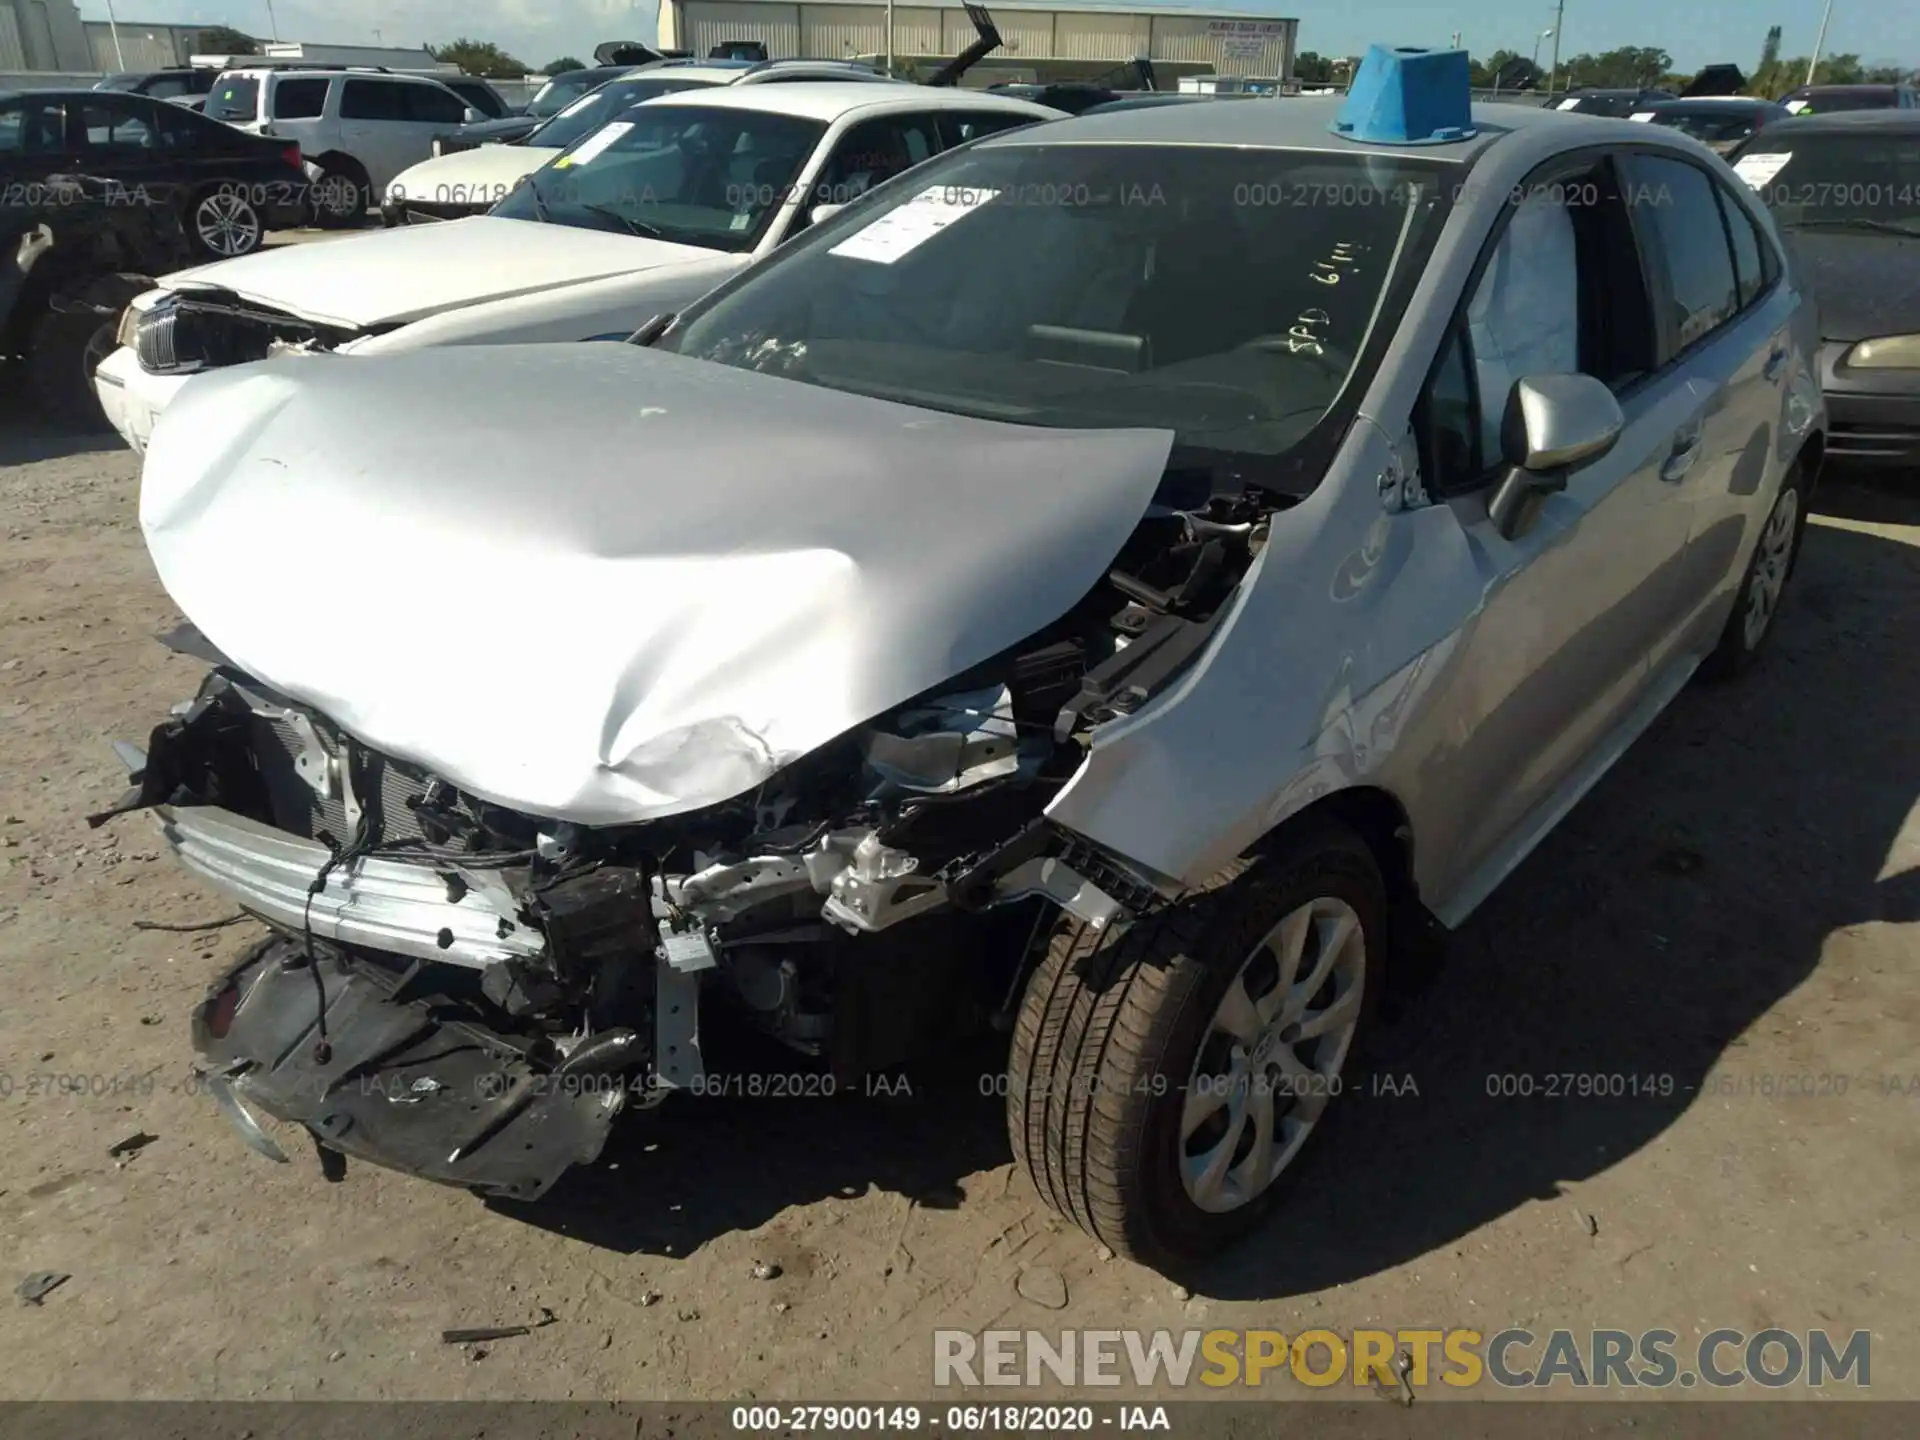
(72, 255)
(1835, 99)
(1722, 123)
(227, 187)
(1842, 187)
(1612, 102)
(479, 94)
(177, 82)
(1074, 97)
(559, 92)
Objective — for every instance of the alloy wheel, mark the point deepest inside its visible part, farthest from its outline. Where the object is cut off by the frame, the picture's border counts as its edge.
(1770, 565)
(1272, 1055)
(227, 224)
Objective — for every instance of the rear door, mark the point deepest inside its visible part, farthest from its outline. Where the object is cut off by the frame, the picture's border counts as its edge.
(427, 110)
(33, 147)
(1557, 657)
(1724, 337)
(117, 137)
(382, 128)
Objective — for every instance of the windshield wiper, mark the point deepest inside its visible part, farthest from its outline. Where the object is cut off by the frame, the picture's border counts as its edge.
(539, 205)
(632, 226)
(1856, 222)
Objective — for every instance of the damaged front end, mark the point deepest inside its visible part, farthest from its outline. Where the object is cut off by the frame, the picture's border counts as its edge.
(474, 995)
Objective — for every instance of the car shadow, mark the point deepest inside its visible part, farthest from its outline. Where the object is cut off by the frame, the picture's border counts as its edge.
(27, 435)
(1690, 892)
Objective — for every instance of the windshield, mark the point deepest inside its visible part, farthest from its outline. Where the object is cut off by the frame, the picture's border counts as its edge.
(1225, 297)
(1865, 180)
(555, 95)
(234, 97)
(1710, 126)
(690, 174)
(597, 107)
(128, 81)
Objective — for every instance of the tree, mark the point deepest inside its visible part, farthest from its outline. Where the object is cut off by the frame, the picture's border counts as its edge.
(224, 40)
(479, 57)
(565, 62)
(1631, 67)
(1769, 52)
(1506, 70)
(1310, 68)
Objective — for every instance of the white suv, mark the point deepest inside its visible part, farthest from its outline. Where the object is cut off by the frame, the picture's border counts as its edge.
(357, 128)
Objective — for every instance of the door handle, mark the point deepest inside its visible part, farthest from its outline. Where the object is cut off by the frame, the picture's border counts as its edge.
(1686, 450)
(1774, 361)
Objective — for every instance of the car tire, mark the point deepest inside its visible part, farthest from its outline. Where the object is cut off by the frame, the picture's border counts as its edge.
(1761, 587)
(65, 346)
(224, 224)
(339, 195)
(1129, 1103)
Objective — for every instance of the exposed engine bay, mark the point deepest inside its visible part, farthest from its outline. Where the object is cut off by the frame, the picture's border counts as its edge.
(472, 994)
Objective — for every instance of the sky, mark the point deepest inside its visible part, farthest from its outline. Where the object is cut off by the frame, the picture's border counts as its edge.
(540, 30)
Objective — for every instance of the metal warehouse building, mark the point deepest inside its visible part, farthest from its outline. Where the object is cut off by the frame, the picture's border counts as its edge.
(1042, 42)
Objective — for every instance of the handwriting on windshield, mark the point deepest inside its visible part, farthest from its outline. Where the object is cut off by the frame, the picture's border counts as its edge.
(1308, 335)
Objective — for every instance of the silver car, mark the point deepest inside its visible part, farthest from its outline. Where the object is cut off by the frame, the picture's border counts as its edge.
(1127, 579)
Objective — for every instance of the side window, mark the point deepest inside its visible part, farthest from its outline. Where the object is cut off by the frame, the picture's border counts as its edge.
(300, 99)
(874, 152)
(372, 100)
(1678, 217)
(117, 127)
(1560, 290)
(956, 128)
(1749, 268)
(433, 104)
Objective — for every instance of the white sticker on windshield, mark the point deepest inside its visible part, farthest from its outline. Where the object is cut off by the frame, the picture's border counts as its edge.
(1759, 170)
(591, 147)
(909, 226)
(1794, 107)
(1642, 115)
(1569, 104)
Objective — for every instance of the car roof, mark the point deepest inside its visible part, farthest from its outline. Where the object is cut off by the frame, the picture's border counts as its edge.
(1303, 123)
(828, 100)
(1712, 100)
(1904, 121)
(1863, 89)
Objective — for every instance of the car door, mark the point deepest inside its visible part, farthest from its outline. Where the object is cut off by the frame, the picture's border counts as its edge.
(1557, 658)
(117, 137)
(376, 130)
(33, 146)
(1725, 334)
(429, 110)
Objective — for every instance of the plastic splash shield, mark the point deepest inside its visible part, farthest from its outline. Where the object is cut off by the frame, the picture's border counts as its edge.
(1404, 96)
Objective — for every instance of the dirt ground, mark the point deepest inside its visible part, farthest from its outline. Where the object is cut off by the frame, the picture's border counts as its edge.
(1735, 907)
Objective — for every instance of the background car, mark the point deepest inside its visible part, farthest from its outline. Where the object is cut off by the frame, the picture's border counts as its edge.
(1721, 123)
(1612, 102)
(357, 128)
(1827, 99)
(1843, 188)
(559, 92)
(179, 83)
(228, 188)
(636, 219)
(471, 182)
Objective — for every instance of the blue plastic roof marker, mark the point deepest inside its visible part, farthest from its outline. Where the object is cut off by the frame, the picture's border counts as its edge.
(1409, 97)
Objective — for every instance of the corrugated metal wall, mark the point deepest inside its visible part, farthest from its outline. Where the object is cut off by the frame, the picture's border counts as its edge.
(13, 50)
(1084, 36)
(142, 49)
(830, 31)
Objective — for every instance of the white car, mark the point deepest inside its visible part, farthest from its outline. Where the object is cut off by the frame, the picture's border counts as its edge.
(471, 182)
(635, 220)
(357, 128)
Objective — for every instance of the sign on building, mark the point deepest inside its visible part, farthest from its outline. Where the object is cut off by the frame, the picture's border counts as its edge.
(1246, 39)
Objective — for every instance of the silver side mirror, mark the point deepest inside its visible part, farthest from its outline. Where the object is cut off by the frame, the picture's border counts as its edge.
(1552, 425)
(471, 116)
(821, 213)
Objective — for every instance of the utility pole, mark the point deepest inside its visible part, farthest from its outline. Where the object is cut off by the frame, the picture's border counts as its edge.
(1559, 26)
(113, 29)
(273, 25)
(889, 37)
(1819, 41)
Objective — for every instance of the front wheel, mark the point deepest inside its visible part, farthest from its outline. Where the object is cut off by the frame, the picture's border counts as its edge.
(1764, 583)
(1166, 1079)
(226, 225)
(339, 197)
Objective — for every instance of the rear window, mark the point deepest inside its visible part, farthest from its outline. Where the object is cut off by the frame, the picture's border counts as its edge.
(1709, 126)
(300, 99)
(234, 97)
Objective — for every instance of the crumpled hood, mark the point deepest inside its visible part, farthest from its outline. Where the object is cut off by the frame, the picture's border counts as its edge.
(397, 276)
(1864, 284)
(605, 584)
